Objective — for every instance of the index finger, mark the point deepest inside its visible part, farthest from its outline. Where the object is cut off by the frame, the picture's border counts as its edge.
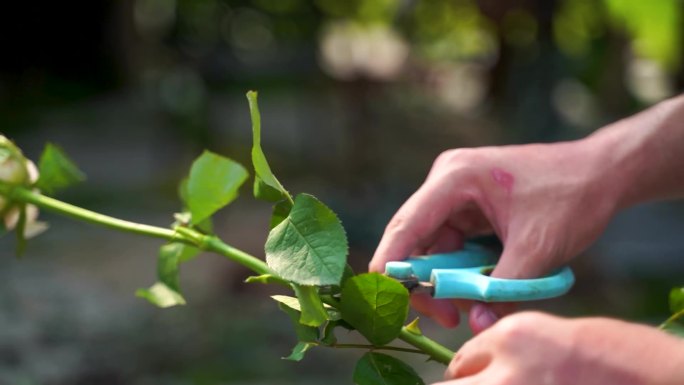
(418, 218)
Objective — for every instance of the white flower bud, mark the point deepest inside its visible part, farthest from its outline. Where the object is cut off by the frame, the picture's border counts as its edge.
(15, 169)
(12, 168)
(33, 225)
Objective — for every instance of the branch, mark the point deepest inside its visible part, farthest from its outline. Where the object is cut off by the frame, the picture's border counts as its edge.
(25, 195)
(205, 242)
(179, 234)
(371, 347)
(435, 350)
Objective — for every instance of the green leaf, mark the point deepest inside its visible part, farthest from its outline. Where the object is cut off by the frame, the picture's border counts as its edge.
(328, 337)
(304, 333)
(313, 312)
(167, 264)
(263, 279)
(56, 170)
(161, 295)
(206, 226)
(381, 369)
(677, 300)
(188, 253)
(348, 273)
(309, 247)
(213, 183)
(266, 185)
(265, 192)
(280, 211)
(376, 306)
(291, 302)
(183, 192)
(166, 292)
(299, 350)
(295, 304)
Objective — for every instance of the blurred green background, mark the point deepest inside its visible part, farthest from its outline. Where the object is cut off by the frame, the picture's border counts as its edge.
(357, 97)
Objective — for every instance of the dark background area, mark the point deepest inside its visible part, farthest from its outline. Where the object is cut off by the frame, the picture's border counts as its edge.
(357, 99)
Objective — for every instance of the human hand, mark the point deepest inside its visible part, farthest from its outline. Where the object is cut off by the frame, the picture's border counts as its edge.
(546, 202)
(536, 348)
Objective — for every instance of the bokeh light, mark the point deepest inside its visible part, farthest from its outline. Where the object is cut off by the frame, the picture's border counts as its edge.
(358, 97)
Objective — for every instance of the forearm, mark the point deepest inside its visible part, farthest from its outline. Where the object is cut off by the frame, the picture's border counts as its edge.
(641, 158)
(637, 353)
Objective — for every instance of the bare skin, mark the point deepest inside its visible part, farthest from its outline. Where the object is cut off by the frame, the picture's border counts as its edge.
(536, 348)
(546, 202)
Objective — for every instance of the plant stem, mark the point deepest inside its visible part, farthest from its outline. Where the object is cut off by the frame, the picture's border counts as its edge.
(673, 318)
(371, 347)
(216, 245)
(432, 348)
(205, 242)
(59, 207)
(436, 351)
(180, 234)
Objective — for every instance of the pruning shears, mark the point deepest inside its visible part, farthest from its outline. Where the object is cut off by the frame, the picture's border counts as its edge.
(465, 274)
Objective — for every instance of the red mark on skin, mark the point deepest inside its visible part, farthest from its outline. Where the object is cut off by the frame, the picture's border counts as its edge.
(503, 179)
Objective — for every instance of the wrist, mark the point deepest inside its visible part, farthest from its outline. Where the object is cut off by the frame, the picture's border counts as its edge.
(637, 159)
(617, 163)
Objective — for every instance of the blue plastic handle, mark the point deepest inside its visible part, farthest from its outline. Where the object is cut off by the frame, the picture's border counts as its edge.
(463, 274)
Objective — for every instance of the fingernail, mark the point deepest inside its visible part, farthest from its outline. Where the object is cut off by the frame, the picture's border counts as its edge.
(482, 317)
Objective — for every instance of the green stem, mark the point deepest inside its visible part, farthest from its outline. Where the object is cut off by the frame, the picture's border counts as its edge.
(673, 318)
(211, 243)
(63, 208)
(432, 348)
(180, 234)
(371, 347)
(436, 351)
(257, 265)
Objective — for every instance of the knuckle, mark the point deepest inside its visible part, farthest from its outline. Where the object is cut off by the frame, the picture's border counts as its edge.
(460, 161)
(509, 328)
(519, 326)
(453, 156)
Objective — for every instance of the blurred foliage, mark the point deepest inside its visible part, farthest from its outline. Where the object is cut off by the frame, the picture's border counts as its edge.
(177, 48)
(452, 30)
(655, 28)
(366, 11)
(363, 94)
(577, 25)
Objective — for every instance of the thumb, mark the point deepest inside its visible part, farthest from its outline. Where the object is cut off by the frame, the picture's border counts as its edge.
(516, 262)
(418, 219)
